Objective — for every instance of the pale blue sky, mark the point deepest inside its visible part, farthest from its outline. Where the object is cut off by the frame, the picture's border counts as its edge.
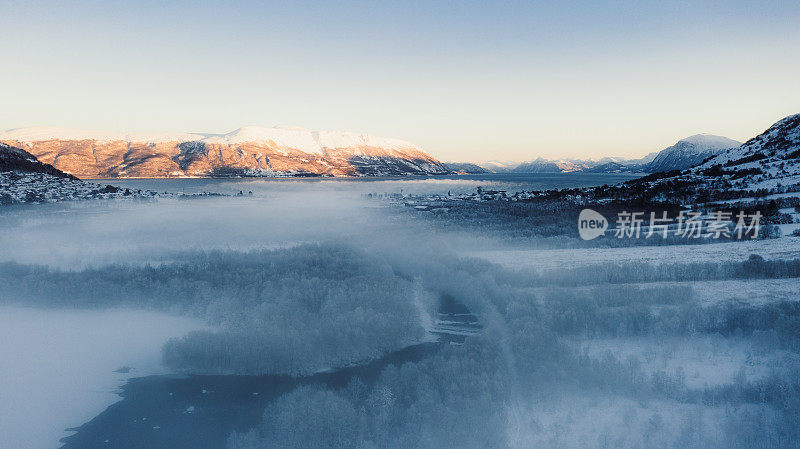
(465, 80)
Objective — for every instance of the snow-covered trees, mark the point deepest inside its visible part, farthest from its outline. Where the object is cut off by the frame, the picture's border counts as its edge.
(289, 311)
(627, 354)
(455, 398)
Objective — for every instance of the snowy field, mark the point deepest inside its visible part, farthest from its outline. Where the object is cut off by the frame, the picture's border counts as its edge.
(540, 259)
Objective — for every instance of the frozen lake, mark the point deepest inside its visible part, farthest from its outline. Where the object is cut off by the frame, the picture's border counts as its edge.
(57, 367)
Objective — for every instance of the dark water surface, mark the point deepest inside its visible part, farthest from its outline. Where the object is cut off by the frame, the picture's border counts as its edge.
(410, 185)
(199, 412)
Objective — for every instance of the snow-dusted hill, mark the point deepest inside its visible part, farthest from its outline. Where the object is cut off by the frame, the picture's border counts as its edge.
(495, 166)
(247, 151)
(769, 160)
(768, 164)
(24, 179)
(780, 142)
(14, 159)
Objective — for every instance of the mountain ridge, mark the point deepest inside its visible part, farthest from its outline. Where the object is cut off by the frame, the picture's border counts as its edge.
(247, 151)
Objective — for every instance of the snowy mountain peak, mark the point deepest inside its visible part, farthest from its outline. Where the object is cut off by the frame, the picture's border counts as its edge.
(689, 152)
(247, 151)
(709, 141)
(295, 138)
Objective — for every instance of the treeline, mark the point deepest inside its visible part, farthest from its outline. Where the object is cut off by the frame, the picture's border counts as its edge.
(755, 267)
(515, 383)
(302, 309)
(289, 311)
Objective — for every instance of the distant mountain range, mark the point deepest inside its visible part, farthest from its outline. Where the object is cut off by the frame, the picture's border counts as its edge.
(255, 151)
(684, 154)
(465, 168)
(248, 151)
(766, 164)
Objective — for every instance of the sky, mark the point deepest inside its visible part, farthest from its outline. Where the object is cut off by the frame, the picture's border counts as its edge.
(465, 80)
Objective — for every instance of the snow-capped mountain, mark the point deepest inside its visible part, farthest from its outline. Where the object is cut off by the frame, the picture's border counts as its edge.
(542, 165)
(645, 160)
(684, 154)
(539, 165)
(465, 168)
(247, 151)
(689, 152)
(498, 166)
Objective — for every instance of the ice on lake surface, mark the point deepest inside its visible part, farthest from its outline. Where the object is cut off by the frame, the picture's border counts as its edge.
(57, 366)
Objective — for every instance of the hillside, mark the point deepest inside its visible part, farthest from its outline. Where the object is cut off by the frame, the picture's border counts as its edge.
(247, 151)
(23, 179)
(768, 164)
(14, 159)
(769, 160)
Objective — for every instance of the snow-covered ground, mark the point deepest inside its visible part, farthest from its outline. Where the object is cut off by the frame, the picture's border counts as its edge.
(24, 187)
(701, 361)
(57, 367)
(582, 421)
(782, 248)
(676, 367)
(714, 292)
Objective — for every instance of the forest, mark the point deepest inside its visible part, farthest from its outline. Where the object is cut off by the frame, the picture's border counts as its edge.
(643, 346)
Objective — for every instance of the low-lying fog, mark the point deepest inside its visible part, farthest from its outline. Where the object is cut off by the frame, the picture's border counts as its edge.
(79, 234)
(297, 281)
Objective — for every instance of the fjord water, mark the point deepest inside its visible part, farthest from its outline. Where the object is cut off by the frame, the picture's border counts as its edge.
(456, 184)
